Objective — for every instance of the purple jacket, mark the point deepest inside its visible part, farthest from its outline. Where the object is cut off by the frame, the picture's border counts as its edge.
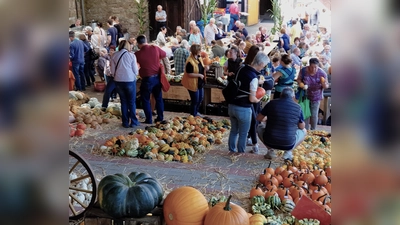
(315, 90)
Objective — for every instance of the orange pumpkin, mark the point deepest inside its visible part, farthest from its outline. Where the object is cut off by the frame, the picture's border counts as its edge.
(185, 205)
(256, 191)
(260, 92)
(227, 214)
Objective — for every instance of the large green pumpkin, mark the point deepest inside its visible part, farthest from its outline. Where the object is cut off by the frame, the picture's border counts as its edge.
(134, 195)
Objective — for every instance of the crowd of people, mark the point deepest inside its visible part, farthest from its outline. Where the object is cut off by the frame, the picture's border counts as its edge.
(303, 51)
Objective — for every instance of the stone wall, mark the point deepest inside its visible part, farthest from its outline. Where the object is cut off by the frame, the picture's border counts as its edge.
(125, 10)
(72, 12)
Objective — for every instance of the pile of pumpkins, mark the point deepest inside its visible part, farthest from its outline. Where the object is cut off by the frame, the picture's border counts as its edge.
(137, 194)
(314, 150)
(284, 186)
(177, 139)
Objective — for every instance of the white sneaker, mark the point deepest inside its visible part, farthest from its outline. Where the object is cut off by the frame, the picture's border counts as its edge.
(270, 155)
(254, 149)
(288, 155)
(249, 142)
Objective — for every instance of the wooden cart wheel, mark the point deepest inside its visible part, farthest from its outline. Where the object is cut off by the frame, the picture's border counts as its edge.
(82, 186)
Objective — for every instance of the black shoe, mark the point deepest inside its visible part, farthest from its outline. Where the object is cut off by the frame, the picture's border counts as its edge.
(154, 113)
(125, 126)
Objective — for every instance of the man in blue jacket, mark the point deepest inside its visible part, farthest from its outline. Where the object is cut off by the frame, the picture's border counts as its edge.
(77, 51)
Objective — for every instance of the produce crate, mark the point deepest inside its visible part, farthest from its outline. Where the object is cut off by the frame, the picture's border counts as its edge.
(215, 71)
(96, 216)
(216, 95)
(177, 92)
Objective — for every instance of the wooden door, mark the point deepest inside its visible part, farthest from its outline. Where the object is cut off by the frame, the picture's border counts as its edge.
(253, 10)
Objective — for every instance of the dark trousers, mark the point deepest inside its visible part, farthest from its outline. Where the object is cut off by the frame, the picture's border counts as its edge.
(78, 71)
(89, 72)
(159, 25)
(110, 91)
(255, 109)
(127, 93)
(196, 97)
(152, 85)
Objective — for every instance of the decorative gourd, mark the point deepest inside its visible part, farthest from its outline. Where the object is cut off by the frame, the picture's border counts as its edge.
(256, 191)
(134, 195)
(287, 205)
(257, 219)
(185, 205)
(226, 214)
(257, 200)
(274, 201)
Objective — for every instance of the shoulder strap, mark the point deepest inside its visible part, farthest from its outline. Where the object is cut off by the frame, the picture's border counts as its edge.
(116, 67)
(239, 83)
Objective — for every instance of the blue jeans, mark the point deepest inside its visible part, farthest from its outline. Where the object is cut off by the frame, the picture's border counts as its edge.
(313, 120)
(127, 93)
(152, 85)
(234, 17)
(78, 71)
(240, 124)
(196, 97)
(109, 91)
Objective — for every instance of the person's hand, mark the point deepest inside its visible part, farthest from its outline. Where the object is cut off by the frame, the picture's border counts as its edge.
(201, 76)
(305, 87)
(322, 80)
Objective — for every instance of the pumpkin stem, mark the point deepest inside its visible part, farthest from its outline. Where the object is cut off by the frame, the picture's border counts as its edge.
(265, 171)
(269, 164)
(227, 205)
(257, 186)
(321, 197)
(290, 174)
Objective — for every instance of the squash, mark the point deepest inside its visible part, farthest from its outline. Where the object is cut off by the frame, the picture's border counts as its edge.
(134, 195)
(257, 219)
(227, 214)
(274, 201)
(260, 92)
(287, 205)
(185, 205)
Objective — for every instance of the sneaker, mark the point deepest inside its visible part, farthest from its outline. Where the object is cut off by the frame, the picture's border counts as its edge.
(249, 142)
(288, 155)
(200, 115)
(103, 109)
(254, 149)
(270, 155)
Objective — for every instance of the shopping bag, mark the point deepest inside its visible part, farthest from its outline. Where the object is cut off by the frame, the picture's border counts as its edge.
(165, 85)
(304, 103)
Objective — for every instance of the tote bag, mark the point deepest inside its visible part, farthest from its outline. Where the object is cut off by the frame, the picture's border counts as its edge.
(304, 103)
(165, 85)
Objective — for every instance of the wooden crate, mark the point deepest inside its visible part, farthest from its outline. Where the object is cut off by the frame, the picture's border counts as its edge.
(215, 71)
(177, 92)
(216, 95)
(96, 216)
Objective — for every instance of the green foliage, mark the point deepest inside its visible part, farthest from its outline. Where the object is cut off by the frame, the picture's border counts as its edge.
(207, 8)
(142, 15)
(276, 16)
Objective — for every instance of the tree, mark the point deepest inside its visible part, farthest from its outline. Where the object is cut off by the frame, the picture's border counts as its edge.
(276, 16)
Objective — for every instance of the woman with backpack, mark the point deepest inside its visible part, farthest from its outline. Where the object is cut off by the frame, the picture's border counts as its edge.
(284, 75)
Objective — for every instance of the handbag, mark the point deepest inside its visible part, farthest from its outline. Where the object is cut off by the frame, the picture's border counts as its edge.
(304, 103)
(93, 54)
(165, 85)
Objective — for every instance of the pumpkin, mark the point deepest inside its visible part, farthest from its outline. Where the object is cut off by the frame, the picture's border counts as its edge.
(134, 195)
(226, 214)
(257, 219)
(256, 191)
(260, 92)
(287, 205)
(185, 205)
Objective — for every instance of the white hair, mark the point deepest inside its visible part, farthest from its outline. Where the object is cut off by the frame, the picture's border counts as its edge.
(87, 28)
(185, 43)
(96, 30)
(260, 58)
